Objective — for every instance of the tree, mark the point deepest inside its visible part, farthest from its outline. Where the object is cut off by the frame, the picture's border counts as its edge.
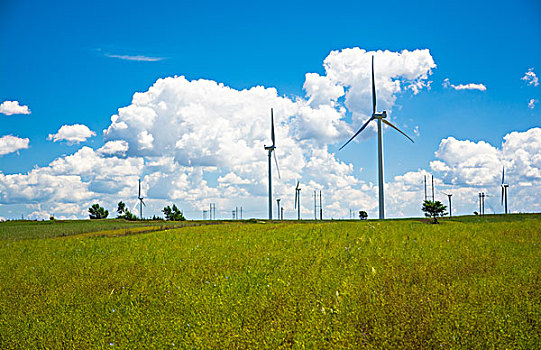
(97, 212)
(121, 208)
(173, 214)
(433, 210)
(363, 215)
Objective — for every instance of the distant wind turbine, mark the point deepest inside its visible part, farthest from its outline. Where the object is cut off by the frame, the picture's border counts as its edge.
(450, 207)
(381, 118)
(298, 200)
(141, 203)
(504, 189)
(270, 150)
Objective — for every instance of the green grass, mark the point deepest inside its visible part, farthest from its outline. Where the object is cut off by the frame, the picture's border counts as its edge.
(27, 229)
(390, 284)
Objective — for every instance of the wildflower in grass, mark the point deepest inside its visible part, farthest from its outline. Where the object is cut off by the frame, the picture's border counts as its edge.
(111, 343)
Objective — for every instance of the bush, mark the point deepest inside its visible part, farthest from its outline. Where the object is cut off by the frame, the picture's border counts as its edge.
(173, 214)
(97, 212)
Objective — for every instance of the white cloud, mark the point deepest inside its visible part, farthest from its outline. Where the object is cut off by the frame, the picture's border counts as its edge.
(10, 144)
(467, 168)
(77, 179)
(138, 58)
(114, 148)
(530, 77)
(350, 69)
(470, 86)
(13, 107)
(75, 133)
(531, 104)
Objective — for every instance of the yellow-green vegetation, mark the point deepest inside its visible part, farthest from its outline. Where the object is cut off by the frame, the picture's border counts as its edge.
(390, 284)
(27, 229)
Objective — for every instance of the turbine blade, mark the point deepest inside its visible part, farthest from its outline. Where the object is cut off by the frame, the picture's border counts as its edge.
(298, 183)
(139, 188)
(143, 203)
(397, 129)
(503, 175)
(296, 198)
(277, 167)
(373, 89)
(272, 128)
(503, 190)
(357, 133)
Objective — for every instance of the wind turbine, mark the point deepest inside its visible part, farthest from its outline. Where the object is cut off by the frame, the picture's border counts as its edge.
(141, 203)
(270, 150)
(298, 200)
(504, 189)
(380, 118)
(450, 207)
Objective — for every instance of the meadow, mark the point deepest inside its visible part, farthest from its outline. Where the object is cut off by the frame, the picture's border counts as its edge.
(467, 283)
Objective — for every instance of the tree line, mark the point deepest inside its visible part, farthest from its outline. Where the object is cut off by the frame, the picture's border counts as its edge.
(170, 213)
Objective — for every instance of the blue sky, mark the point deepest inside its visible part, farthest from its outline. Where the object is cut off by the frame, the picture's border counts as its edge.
(67, 62)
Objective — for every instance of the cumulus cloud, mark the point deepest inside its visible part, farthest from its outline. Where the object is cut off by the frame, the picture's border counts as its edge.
(350, 69)
(114, 148)
(469, 167)
(531, 104)
(530, 77)
(75, 133)
(139, 58)
(470, 86)
(13, 107)
(10, 144)
(74, 180)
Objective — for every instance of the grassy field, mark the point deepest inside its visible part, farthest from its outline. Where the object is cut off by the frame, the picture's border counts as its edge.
(467, 283)
(28, 229)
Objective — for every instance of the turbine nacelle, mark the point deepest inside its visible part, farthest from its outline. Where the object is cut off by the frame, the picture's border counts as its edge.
(379, 115)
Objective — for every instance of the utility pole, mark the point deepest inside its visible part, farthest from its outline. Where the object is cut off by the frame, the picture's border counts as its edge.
(432, 188)
(315, 205)
(483, 197)
(425, 188)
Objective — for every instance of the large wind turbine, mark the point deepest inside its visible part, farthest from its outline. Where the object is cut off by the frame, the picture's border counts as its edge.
(270, 150)
(504, 189)
(141, 203)
(381, 118)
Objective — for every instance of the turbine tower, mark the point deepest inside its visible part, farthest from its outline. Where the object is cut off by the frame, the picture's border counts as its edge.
(380, 118)
(504, 189)
(450, 207)
(270, 150)
(141, 203)
(298, 200)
